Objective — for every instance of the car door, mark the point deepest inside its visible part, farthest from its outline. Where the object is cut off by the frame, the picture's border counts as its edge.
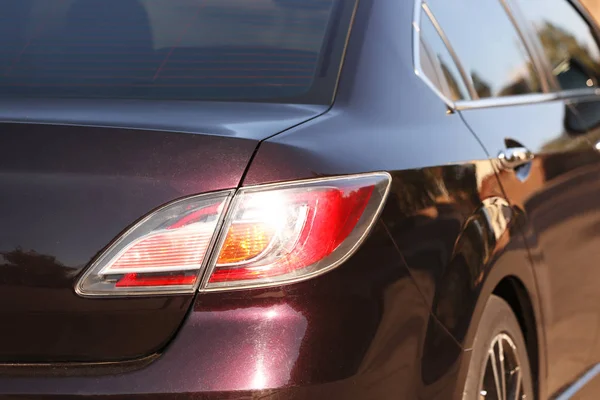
(545, 163)
(565, 37)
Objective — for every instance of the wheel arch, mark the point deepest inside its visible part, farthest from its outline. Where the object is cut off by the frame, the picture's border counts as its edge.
(517, 286)
(489, 260)
(513, 291)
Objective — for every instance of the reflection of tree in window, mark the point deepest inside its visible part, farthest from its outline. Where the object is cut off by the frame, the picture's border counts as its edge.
(521, 84)
(482, 88)
(560, 46)
(515, 88)
(452, 83)
(438, 64)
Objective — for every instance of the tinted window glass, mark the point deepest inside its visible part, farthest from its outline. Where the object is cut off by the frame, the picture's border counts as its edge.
(437, 63)
(173, 49)
(567, 41)
(488, 46)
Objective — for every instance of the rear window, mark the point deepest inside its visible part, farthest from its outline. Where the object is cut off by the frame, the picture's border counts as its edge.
(230, 50)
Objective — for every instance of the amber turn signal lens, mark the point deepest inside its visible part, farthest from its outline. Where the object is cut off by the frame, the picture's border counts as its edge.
(244, 242)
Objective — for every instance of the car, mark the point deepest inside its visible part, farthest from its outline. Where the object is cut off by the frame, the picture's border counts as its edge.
(299, 199)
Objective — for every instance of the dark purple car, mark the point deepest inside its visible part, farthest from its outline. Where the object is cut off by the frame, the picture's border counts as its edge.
(299, 199)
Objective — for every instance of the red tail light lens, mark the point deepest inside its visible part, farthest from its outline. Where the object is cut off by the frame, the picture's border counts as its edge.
(271, 235)
(294, 231)
(165, 252)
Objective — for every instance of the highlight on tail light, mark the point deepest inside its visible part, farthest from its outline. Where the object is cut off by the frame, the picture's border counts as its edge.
(284, 233)
(164, 252)
(266, 235)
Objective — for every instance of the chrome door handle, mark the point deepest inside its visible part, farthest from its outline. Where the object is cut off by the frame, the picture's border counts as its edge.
(515, 157)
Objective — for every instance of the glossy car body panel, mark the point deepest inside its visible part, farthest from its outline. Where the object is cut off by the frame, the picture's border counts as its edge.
(239, 120)
(587, 110)
(396, 320)
(68, 190)
(367, 313)
(447, 213)
(556, 192)
(362, 330)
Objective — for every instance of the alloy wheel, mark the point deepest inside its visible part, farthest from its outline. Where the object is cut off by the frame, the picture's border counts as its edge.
(502, 376)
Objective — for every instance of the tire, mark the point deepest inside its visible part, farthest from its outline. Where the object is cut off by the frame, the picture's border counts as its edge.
(498, 328)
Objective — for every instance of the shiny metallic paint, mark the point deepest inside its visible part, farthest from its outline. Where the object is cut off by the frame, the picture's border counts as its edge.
(238, 120)
(67, 192)
(351, 333)
(397, 319)
(361, 329)
(556, 193)
(416, 138)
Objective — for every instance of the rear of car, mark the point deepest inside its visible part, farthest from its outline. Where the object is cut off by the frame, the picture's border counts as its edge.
(114, 109)
(181, 217)
(126, 127)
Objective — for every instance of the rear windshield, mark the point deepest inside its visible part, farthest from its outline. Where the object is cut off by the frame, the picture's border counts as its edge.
(230, 50)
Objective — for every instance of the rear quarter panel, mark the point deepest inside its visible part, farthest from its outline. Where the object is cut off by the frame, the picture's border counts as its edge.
(447, 215)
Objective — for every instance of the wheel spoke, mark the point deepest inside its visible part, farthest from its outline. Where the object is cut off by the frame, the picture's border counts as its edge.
(518, 384)
(502, 369)
(496, 372)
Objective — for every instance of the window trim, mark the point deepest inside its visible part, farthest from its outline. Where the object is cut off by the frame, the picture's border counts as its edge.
(530, 43)
(531, 98)
(534, 98)
(420, 8)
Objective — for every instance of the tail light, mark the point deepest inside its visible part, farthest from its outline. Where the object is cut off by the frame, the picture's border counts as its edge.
(269, 235)
(164, 252)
